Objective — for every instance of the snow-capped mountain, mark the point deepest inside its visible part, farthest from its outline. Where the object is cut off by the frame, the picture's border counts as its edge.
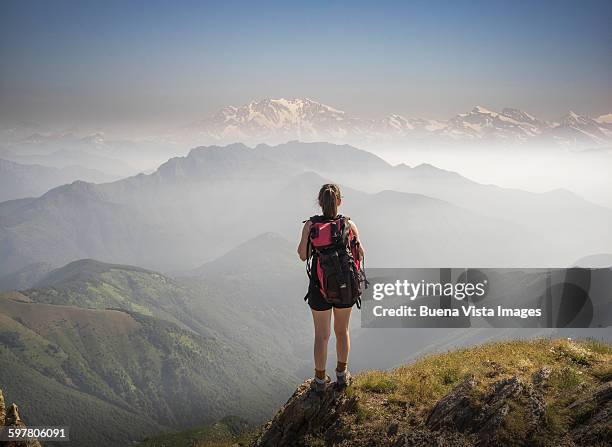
(581, 130)
(605, 119)
(482, 123)
(279, 120)
(395, 124)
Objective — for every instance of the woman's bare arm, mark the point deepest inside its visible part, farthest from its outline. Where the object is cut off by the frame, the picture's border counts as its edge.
(356, 233)
(303, 246)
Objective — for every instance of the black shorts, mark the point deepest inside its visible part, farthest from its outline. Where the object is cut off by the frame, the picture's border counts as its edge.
(317, 302)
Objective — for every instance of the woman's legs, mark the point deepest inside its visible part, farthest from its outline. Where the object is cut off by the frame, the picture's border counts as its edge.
(341, 329)
(322, 324)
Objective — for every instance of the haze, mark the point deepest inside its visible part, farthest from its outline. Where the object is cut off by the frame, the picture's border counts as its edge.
(139, 66)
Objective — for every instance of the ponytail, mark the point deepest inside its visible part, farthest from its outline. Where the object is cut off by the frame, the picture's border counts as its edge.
(329, 196)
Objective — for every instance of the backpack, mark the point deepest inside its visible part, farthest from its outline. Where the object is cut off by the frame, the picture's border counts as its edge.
(335, 265)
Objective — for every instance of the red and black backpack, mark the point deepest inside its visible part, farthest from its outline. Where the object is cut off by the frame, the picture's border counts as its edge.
(334, 263)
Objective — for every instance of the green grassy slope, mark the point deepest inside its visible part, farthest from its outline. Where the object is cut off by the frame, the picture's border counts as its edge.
(228, 432)
(97, 285)
(237, 298)
(180, 353)
(45, 401)
(141, 364)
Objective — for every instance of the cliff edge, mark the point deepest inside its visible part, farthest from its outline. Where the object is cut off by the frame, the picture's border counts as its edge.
(517, 393)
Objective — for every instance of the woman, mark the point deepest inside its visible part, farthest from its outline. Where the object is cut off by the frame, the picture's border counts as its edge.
(329, 200)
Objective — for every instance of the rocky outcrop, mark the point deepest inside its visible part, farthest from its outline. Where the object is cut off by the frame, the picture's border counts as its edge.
(593, 417)
(2, 409)
(484, 416)
(509, 411)
(306, 414)
(11, 418)
(455, 410)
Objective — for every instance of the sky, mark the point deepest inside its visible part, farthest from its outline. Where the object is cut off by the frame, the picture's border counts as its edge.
(168, 63)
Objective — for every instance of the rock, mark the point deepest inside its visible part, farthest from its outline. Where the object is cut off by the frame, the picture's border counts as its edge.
(536, 404)
(392, 429)
(593, 416)
(487, 424)
(11, 418)
(541, 375)
(490, 409)
(307, 413)
(2, 409)
(454, 410)
(599, 395)
(457, 410)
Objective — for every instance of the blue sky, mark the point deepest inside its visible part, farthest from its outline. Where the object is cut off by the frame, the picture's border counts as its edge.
(159, 62)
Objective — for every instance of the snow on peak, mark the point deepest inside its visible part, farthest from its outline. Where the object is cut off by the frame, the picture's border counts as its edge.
(574, 119)
(519, 115)
(278, 120)
(605, 119)
(481, 109)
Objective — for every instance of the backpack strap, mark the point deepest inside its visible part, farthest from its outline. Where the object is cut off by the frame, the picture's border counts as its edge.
(309, 256)
(345, 229)
(319, 218)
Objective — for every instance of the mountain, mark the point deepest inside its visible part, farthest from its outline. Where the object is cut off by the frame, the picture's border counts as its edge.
(71, 365)
(275, 121)
(576, 130)
(170, 219)
(20, 180)
(116, 156)
(605, 119)
(280, 118)
(259, 274)
(230, 431)
(543, 392)
(91, 284)
(25, 277)
(260, 255)
(254, 296)
(481, 123)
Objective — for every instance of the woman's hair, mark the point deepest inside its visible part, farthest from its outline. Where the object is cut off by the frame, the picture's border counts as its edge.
(329, 196)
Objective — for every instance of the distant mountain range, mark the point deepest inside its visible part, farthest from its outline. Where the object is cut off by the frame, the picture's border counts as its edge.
(280, 120)
(24, 180)
(114, 156)
(195, 208)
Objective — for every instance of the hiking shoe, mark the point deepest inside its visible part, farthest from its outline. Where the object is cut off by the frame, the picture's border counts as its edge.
(343, 379)
(318, 385)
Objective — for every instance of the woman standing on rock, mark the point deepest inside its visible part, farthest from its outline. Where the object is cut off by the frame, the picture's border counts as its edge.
(333, 253)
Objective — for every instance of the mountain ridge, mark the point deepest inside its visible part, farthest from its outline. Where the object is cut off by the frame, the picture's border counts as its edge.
(280, 120)
(19, 180)
(162, 220)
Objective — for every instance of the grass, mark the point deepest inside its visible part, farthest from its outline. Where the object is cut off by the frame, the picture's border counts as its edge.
(575, 366)
(170, 377)
(229, 431)
(378, 382)
(565, 379)
(598, 346)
